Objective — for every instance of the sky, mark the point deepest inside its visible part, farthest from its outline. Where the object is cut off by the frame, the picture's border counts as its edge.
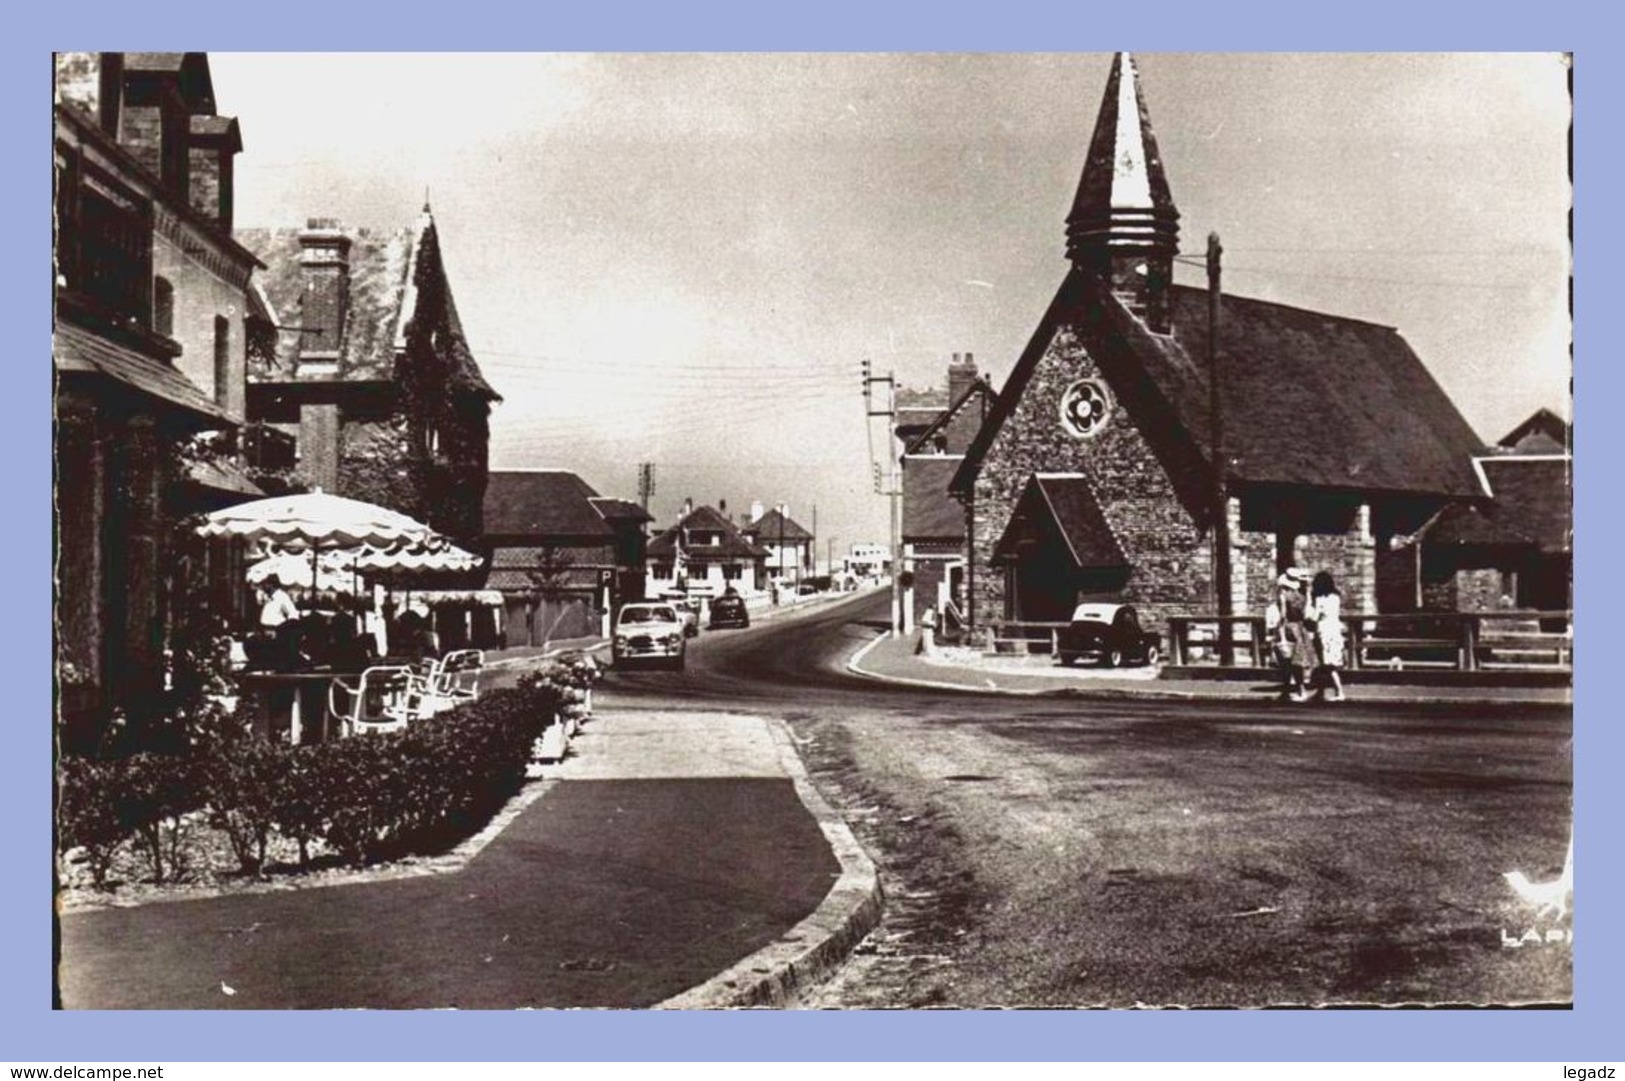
(685, 258)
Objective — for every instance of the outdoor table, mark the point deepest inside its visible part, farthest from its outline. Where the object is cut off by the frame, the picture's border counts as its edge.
(308, 689)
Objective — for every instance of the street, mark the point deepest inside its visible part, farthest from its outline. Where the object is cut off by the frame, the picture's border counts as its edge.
(1072, 853)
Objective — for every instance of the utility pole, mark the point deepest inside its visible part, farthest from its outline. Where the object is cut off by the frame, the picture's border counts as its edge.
(646, 484)
(1221, 471)
(892, 485)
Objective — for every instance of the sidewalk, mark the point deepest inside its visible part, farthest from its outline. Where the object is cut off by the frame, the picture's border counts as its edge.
(675, 859)
(893, 659)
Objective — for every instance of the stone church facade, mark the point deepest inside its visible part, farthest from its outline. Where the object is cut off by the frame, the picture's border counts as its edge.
(1093, 475)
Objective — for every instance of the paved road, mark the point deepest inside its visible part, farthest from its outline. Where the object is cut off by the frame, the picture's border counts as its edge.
(1068, 852)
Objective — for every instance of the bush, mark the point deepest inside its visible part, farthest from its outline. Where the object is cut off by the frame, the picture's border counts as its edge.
(368, 798)
(298, 800)
(87, 813)
(152, 795)
(242, 780)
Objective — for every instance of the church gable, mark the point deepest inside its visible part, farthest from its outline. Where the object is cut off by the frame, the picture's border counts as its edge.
(1067, 415)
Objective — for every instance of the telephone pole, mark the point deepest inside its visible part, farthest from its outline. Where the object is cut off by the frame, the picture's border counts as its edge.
(888, 482)
(1221, 494)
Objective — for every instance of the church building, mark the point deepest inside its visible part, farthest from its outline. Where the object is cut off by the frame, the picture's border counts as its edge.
(1093, 473)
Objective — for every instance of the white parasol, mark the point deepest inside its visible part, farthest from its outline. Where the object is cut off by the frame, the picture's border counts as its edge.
(318, 520)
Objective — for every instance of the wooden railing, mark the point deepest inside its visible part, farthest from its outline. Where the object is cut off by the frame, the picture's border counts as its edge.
(1022, 637)
(1462, 641)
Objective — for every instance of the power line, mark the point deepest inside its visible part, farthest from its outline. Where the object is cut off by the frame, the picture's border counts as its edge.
(1425, 283)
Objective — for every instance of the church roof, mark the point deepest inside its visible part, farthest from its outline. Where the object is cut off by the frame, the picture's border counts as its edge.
(1309, 399)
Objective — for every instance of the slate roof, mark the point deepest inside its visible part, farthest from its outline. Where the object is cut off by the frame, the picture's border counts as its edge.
(773, 527)
(1535, 497)
(1309, 399)
(382, 296)
(621, 510)
(979, 388)
(1466, 525)
(929, 511)
(1543, 430)
(542, 503)
(1067, 502)
(74, 349)
(734, 545)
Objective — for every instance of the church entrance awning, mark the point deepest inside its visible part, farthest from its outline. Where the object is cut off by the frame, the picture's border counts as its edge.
(1057, 549)
(1061, 507)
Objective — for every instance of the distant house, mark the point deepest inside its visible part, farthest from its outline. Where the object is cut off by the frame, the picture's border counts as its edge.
(933, 446)
(148, 354)
(357, 353)
(789, 545)
(703, 554)
(561, 554)
(1515, 550)
(1092, 475)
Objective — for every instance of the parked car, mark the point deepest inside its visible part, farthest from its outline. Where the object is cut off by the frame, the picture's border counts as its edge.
(1111, 633)
(649, 631)
(729, 610)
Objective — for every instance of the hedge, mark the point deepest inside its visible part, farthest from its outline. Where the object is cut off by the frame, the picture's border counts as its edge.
(368, 798)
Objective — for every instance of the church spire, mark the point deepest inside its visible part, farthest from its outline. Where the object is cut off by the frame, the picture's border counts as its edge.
(1124, 226)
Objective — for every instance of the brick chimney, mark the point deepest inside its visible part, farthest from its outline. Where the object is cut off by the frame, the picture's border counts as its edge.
(154, 120)
(215, 143)
(756, 510)
(324, 262)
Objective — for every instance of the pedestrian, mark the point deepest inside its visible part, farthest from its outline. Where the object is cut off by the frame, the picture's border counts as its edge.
(1326, 612)
(928, 633)
(1290, 635)
(279, 622)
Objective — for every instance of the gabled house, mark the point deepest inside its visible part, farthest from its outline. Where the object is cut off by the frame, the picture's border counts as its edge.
(703, 554)
(357, 353)
(1515, 550)
(933, 446)
(561, 554)
(788, 544)
(150, 292)
(1337, 440)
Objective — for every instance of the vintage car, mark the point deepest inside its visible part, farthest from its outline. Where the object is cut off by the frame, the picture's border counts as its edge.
(649, 632)
(688, 610)
(1109, 632)
(729, 610)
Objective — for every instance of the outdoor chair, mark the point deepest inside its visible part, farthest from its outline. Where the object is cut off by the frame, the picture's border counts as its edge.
(455, 679)
(383, 699)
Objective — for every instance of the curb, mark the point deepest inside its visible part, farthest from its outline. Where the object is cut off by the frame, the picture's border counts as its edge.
(815, 947)
(1119, 694)
(509, 662)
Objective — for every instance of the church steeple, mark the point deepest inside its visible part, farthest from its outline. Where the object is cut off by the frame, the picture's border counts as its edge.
(1124, 226)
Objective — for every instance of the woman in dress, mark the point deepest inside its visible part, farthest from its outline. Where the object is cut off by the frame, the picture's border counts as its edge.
(1291, 635)
(1326, 612)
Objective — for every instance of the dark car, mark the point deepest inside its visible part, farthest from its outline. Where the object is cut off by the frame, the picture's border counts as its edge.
(729, 610)
(1111, 633)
